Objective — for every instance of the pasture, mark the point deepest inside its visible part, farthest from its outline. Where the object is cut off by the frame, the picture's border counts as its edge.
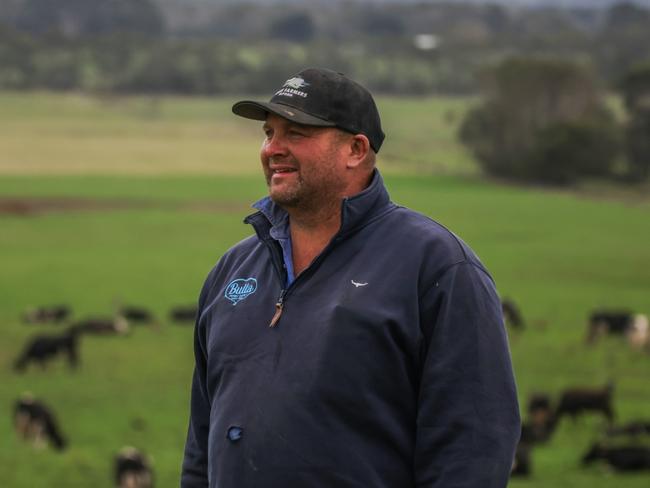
(134, 199)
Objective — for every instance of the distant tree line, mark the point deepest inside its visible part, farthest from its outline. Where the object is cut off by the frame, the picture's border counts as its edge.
(204, 47)
(636, 94)
(547, 121)
(82, 18)
(543, 116)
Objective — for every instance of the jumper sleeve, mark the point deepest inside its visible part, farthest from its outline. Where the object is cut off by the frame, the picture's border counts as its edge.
(194, 472)
(468, 419)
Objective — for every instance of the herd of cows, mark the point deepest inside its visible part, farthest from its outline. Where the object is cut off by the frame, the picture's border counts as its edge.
(35, 421)
(44, 347)
(624, 447)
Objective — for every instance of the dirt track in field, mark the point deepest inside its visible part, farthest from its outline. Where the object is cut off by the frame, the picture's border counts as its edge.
(22, 206)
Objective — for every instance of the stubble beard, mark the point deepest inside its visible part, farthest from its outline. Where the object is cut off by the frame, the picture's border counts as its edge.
(317, 189)
(308, 196)
(288, 197)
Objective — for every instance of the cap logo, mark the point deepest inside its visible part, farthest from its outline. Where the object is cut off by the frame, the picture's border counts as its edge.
(296, 83)
(293, 87)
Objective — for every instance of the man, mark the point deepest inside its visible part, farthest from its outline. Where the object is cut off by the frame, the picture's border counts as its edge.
(351, 342)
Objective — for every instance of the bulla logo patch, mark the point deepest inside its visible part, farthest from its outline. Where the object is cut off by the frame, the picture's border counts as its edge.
(239, 289)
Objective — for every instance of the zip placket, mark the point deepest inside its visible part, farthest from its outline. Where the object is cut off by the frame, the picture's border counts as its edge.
(278, 261)
(279, 305)
(278, 309)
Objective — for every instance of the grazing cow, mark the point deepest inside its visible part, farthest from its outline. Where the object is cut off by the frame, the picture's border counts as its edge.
(621, 458)
(102, 326)
(136, 314)
(608, 322)
(132, 470)
(528, 435)
(575, 401)
(42, 348)
(41, 315)
(35, 422)
(539, 402)
(633, 428)
(184, 314)
(511, 314)
(541, 422)
(521, 464)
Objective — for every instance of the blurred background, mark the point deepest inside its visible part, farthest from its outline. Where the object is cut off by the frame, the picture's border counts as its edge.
(523, 125)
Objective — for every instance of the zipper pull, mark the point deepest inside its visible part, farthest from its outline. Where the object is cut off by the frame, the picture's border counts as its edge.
(278, 309)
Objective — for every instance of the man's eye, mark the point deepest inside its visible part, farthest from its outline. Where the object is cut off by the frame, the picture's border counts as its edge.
(295, 133)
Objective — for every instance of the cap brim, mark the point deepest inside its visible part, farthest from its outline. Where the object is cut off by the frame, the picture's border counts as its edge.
(259, 111)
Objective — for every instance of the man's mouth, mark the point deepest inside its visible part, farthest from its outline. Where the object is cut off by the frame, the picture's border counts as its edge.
(276, 171)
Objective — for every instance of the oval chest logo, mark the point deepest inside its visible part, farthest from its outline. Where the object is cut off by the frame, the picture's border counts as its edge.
(239, 289)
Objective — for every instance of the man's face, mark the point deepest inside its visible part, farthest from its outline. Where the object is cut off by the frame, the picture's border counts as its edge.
(305, 166)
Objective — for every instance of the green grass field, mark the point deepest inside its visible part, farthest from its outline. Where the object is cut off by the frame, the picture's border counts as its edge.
(187, 171)
(72, 134)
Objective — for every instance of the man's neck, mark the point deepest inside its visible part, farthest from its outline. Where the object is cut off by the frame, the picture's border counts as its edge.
(312, 229)
(311, 233)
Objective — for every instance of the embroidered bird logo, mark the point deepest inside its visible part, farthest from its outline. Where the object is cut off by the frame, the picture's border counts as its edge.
(357, 285)
(296, 83)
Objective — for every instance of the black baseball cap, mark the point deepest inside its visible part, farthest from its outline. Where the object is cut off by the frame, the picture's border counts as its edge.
(324, 98)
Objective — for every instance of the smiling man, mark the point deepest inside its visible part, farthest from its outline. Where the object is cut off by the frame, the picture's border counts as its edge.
(351, 342)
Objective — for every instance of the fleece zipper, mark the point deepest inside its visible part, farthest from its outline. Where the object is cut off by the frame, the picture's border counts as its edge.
(277, 264)
(278, 261)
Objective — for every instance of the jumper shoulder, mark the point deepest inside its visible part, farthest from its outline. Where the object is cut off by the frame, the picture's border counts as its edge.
(442, 249)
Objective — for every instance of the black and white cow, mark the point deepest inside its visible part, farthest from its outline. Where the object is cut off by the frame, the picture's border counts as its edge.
(102, 326)
(621, 458)
(521, 464)
(511, 314)
(185, 314)
(132, 469)
(52, 313)
(633, 428)
(135, 314)
(35, 422)
(541, 419)
(44, 347)
(575, 401)
(633, 326)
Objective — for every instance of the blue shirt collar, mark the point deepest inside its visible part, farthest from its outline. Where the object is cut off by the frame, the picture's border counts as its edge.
(279, 231)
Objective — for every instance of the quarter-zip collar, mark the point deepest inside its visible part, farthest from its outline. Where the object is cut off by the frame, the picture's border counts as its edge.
(279, 231)
(356, 211)
(271, 223)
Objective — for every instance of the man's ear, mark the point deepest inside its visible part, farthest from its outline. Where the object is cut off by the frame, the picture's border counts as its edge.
(359, 149)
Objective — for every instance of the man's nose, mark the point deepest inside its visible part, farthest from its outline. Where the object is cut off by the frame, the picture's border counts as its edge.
(274, 146)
